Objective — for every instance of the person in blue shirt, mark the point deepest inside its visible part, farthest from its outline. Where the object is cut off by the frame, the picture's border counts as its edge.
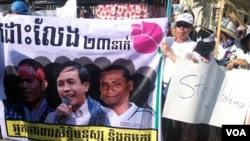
(77, 108)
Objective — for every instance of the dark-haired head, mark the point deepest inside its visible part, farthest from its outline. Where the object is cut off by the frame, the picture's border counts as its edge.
(126, 73)
(31, 78)
(82, 71)
(115, 87)
(31, 62)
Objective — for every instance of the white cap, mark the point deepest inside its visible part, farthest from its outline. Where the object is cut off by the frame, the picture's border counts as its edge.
(185, 17)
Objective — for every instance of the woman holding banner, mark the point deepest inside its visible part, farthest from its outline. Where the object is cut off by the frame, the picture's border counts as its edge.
(179, 46)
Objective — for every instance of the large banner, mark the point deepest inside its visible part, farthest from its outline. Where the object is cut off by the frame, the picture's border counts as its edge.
(95, 44)
(207, 93)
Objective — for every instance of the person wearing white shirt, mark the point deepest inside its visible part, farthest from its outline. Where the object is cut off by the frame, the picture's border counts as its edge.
(227, 48)
(180, 46)
(115, 88)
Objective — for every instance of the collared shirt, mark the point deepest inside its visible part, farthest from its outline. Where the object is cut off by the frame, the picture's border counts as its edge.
(81, 116)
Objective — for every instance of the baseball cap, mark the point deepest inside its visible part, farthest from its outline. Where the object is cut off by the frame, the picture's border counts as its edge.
(185, 17)
(19, 7)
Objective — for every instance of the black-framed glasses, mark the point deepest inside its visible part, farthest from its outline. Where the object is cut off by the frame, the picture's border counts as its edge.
(183, 24)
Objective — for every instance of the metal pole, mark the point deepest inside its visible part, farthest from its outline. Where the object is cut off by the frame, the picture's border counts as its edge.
(168, 8)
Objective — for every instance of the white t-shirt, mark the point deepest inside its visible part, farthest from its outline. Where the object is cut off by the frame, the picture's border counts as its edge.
(111, 115)
(136, 117)
(181, 50)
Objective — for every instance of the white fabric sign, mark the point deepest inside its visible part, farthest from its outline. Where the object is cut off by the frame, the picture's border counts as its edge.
(207, 93)
(131, 43)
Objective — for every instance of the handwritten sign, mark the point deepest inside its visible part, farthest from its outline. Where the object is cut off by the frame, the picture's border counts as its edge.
(207, 93)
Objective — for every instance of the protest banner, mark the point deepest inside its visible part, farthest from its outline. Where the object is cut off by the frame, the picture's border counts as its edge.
(207, 93)
(94, 44)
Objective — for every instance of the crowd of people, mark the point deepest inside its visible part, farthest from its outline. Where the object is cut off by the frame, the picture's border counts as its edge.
(233, 52)
(73, 81)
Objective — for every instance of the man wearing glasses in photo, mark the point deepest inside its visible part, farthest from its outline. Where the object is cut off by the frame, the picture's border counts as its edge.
(179, 46)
